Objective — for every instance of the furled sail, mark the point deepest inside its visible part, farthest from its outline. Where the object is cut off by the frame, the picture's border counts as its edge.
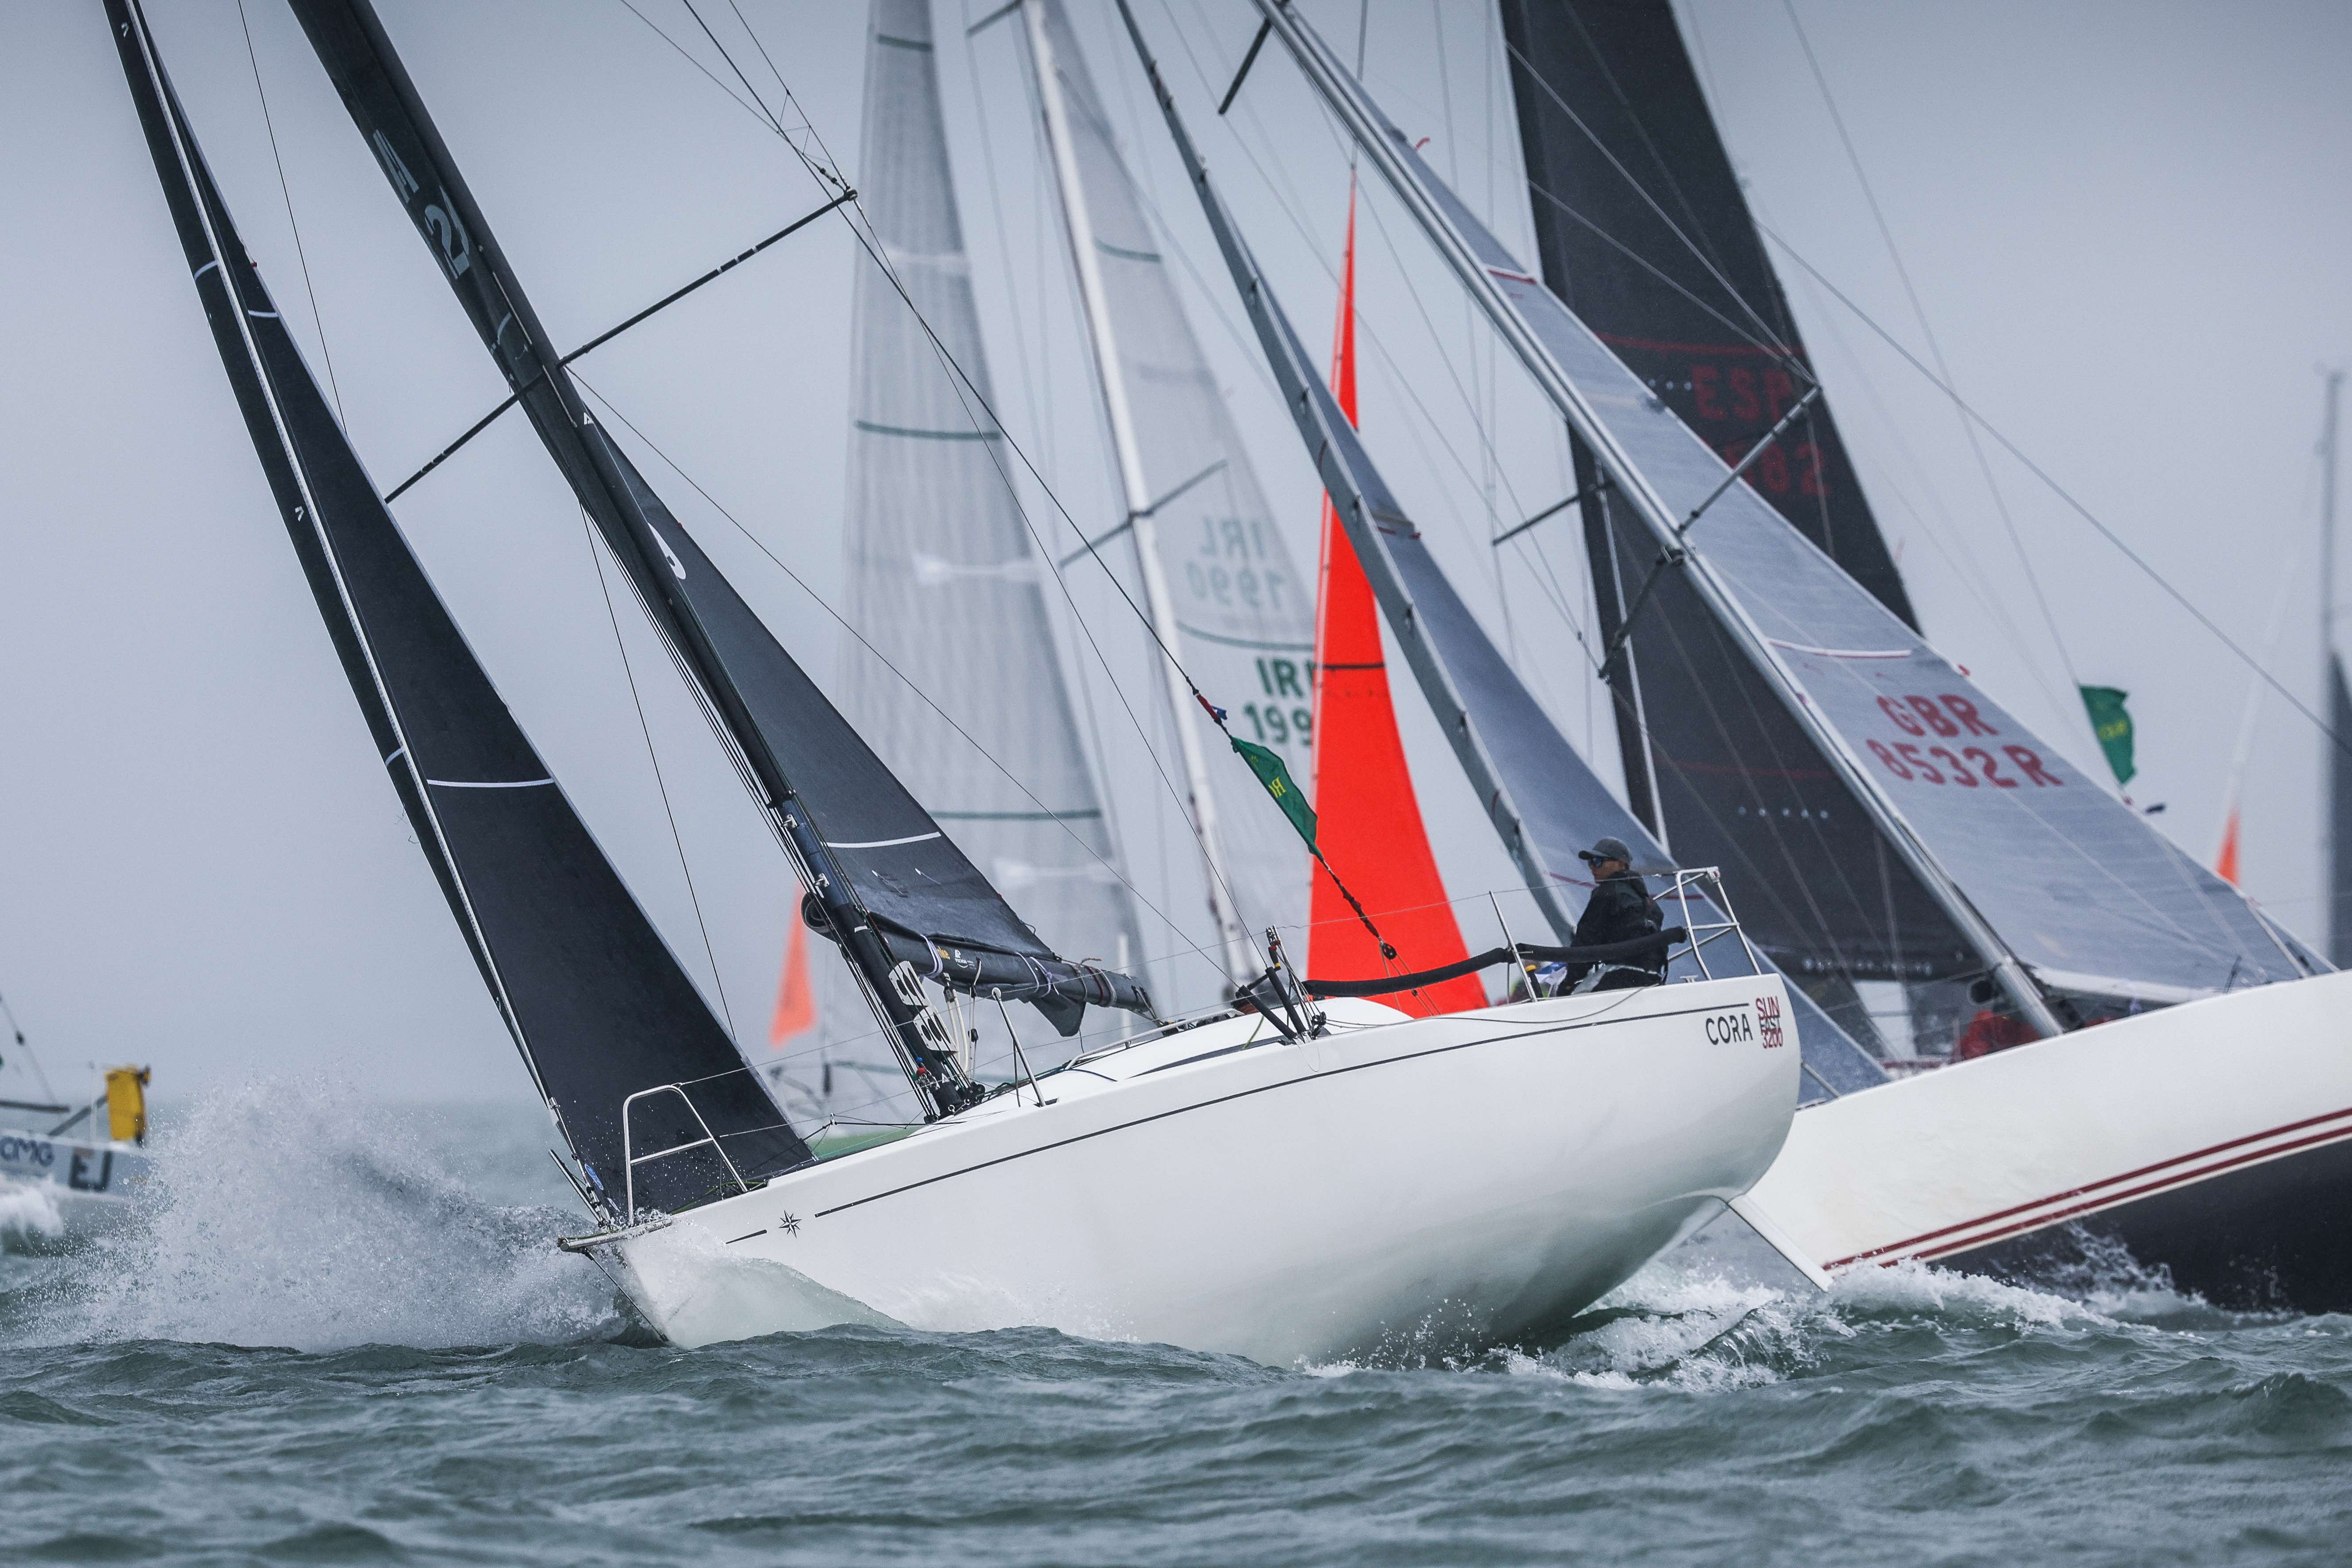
(1245, 614)
(889, 883)
(2034, 863)
(1643, 228)
(1368, 817)
(943, 583)
(597, 1004)
(1544, 802)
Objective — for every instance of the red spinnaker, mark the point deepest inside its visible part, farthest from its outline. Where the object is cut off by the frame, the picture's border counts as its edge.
(1367, 821)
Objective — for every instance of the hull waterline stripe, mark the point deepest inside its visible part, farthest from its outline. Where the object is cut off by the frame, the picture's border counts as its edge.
(2152, 1189)
(1925, 1237)
(885, 843)
(489, 784)
(1596, 1022)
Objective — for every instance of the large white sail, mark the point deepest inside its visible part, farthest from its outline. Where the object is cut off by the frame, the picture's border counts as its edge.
(945, 589)
(2036, 863)
(1244, 615)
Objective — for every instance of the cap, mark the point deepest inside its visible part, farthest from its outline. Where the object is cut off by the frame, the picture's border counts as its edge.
(1606, 849)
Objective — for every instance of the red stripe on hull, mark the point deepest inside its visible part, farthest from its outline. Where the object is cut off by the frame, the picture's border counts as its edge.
(1898, 1251)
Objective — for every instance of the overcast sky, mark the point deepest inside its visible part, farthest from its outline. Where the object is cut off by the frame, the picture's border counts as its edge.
(2127, 224)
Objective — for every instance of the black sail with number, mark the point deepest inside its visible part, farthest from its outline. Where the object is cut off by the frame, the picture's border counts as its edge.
(1642, 230)
(594, 999)
(838, 808)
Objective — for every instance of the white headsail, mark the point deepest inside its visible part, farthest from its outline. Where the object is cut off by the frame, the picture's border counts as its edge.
(1242, 615)
(945, 591)
(2057, 886)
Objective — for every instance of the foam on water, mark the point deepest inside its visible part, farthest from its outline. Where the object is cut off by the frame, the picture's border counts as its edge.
(282, 1215)
(29, 1214)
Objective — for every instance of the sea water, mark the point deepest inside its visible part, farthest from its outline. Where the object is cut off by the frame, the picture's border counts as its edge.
(342, 1335)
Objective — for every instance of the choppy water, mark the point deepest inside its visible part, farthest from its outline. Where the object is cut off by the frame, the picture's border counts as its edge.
(346, 1339)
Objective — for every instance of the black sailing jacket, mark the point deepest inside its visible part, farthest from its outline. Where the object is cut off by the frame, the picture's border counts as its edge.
(1620, 910)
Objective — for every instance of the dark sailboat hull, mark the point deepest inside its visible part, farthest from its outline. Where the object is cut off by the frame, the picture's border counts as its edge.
(2212, 1140)
(2268, 1235)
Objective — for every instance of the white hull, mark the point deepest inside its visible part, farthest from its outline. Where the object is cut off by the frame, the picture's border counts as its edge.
(1486, 1173)
(2210, 1136)
(56, 1192)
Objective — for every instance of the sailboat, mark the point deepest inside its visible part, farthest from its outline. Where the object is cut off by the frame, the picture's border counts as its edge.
(2204, 1121)
(1231, 1182)
(69, 1166)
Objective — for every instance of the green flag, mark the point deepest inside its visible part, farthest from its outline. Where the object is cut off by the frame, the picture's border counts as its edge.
(1275, 777)
(2113, 726)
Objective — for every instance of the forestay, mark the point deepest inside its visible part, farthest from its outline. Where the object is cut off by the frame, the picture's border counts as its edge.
(835, 804)
(1542, 799)
(596, 1002)
(945, 588)
(2074, 884)
(1246, 613)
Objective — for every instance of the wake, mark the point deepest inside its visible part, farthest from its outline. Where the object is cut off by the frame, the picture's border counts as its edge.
(284, 1215)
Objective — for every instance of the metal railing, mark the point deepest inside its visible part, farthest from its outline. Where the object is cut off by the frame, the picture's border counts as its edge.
(1707, 881)
(631, 1160)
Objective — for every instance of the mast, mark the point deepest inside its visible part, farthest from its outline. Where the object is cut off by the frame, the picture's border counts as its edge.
(1102, 340)
(2337, 845)
(1478, 276)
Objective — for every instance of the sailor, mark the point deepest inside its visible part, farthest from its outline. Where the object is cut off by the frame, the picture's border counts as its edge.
(1620, 910)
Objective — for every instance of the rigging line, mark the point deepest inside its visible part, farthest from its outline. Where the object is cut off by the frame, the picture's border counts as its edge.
(1252, 353)
(1287, 200)
(1919, 313)
(879, 657)
(1651, 203)
(606, 336)
(1096, 754)
(996, 220)
(1664, 169)
(961, 380)
(2342, 742)
(661, 784)
(317, 323)
(1788, 359)
(877, 252)
(756, 110)
(1935, 522)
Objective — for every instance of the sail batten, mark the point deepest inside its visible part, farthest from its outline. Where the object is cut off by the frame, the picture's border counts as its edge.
(943, 575)
(2029, 859)
(816, 779)
(595, 1001)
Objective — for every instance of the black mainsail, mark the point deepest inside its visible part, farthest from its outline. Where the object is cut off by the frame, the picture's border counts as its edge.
(1542, 799)
(884, 880)
(2071, 904)
(598, 1006)
(1642, 230)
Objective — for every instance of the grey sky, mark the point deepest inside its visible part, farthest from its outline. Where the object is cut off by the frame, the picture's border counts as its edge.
(2125, 222)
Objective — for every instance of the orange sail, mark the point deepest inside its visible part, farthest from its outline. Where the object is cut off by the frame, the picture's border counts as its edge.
(2225, 864)
(795, 997)
(1368, 822)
